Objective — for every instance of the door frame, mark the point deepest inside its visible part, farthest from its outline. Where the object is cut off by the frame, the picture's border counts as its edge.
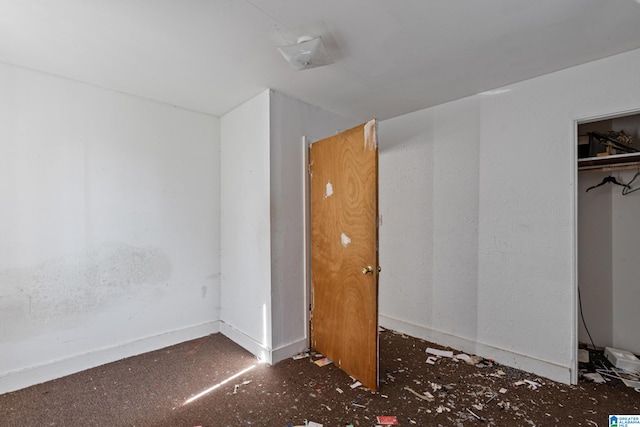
(306, 209)
(575, 270)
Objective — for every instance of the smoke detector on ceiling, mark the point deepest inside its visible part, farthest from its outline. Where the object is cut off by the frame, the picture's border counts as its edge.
(308, 52)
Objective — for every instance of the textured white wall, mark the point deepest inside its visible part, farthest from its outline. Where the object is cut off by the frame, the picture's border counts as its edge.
(292, 119)
(478, 242)
(109, 225)
(245, 226)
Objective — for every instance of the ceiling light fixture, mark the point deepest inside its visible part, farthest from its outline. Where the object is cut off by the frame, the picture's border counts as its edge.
(308, 52)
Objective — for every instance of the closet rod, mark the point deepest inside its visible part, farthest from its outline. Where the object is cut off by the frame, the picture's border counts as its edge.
(613, 168)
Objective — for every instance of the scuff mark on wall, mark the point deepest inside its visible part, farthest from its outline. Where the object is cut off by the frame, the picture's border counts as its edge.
(370, 136)
(59, 289)
(329, 190)
(345, 240)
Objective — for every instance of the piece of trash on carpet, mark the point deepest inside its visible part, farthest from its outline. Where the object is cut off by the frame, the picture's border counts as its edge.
(387, 420)
(426, 396)
(435, 386)
(441, 353)
(356, 384)
(469, 360)
(475, 360)
(431, 360)
(595, 377)
(531, 384)
(462, 356)
(235, 388)
(629, 379)
(300, 356)
(583, 355)
(622, 359)
(474, 414)
(313, 424)
(323, 362)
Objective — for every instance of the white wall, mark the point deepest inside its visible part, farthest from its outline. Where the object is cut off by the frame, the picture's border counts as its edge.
(245, 226)
(264, 295)
(608, 261)
(109, 225)
(478, 242)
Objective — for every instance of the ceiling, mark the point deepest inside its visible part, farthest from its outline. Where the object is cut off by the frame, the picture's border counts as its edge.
(391, 56)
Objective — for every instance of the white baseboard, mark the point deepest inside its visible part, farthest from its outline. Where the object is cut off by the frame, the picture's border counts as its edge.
(27, 377)
(245, 341)
(543, 368)
(264, 354)
(289, 350)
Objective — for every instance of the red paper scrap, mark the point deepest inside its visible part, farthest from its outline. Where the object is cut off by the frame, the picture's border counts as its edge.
(387, 420)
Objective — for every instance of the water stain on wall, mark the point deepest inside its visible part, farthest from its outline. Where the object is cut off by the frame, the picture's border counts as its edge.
(61, 288)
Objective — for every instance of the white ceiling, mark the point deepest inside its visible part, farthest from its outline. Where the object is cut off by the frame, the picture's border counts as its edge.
(391, 56)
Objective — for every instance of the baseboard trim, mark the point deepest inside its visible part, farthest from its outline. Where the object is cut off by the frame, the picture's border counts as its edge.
(264, 354)
(289, 350)
(245, 341)
(543, 368)
(16, 380)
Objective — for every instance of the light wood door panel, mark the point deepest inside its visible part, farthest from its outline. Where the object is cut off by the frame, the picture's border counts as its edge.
(344, 239)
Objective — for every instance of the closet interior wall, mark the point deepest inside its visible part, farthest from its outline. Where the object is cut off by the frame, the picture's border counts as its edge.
(609, 247)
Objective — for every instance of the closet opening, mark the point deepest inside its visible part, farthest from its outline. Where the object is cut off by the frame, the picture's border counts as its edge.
(608, 246)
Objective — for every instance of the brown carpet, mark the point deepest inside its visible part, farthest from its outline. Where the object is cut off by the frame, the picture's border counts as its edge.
(151, 390)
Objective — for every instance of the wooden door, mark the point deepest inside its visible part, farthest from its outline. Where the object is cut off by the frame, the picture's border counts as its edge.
(344, 254)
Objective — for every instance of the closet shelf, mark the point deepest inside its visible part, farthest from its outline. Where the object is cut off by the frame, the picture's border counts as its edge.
(616, 161)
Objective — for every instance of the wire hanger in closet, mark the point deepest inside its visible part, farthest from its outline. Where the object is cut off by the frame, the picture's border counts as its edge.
(627, 189)
(612, 180)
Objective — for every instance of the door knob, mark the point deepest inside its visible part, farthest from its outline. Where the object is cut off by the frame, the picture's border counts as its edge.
(367, 270)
